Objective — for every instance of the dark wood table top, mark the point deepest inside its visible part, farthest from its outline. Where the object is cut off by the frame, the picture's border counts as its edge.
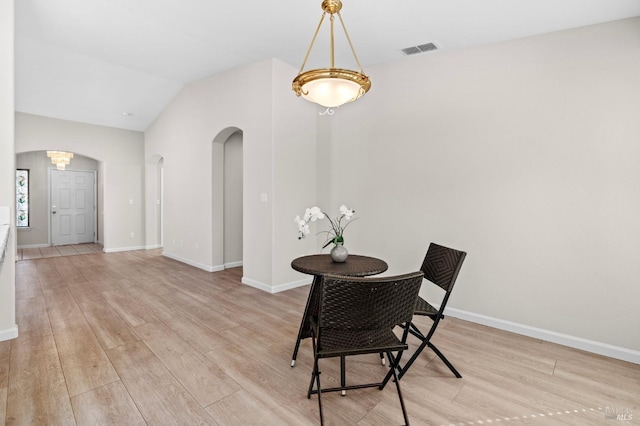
(355, 266)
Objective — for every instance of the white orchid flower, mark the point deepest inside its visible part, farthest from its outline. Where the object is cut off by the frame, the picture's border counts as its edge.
(346, 212)
(316, 214)
(313, 214)
(303, 227)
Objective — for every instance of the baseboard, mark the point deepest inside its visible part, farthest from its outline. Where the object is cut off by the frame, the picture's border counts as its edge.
(292, 285)
(151, 247)
(8, 334)
(257, 284)
(30, 246)
(278, 288)
(119, 249)
(599, 348)
(208, 268)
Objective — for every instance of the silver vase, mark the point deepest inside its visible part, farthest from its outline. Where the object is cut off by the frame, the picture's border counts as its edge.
(339, 253)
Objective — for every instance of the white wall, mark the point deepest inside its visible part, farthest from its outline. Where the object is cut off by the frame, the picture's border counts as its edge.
(183, 136)
(276, 128)
(8, 327)
(121, 156)
(38, 164)
(525, 154)
(295, 177)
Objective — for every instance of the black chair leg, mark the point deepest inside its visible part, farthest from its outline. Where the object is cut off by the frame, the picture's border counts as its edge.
(397, 380)
(343, 376)
(314, 373)
(319, 399)
(395, 361)
(416, 331)
(315, 376)
(309, 310)
(415, 355)
(394, 364)
(445, 360)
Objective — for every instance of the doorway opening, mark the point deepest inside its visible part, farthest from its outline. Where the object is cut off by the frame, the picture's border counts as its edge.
(227, 198)
(78, 195)
(154, 207)
(233, 201)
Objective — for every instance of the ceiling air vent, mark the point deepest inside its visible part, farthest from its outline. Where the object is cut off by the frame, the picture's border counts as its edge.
(414, 50)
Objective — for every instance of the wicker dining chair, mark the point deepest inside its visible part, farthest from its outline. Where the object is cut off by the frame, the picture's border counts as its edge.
(441, 266)
(357, 316)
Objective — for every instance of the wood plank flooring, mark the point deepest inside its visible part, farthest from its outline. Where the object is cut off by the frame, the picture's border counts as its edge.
(135, 338)
(57, 251)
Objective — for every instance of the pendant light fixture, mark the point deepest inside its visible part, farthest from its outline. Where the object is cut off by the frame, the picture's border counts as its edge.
(60, 158)
(331, 87)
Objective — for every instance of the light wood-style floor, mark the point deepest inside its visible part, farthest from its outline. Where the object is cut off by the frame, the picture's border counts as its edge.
(57, 251)
(136, 338)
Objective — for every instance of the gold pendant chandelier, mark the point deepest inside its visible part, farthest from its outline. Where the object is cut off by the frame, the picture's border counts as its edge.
(60, 158)
(331, 87)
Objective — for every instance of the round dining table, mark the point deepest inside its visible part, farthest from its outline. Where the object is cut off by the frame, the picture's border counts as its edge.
(319, 265)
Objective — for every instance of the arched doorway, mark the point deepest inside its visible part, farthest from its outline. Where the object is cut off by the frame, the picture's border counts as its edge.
(227, 198)
(63, 204)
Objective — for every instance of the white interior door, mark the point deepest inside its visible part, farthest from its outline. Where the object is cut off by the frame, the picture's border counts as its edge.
(72, 207)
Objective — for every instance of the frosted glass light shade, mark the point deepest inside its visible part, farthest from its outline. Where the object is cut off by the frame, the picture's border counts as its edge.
(331, 92)
(331, 87)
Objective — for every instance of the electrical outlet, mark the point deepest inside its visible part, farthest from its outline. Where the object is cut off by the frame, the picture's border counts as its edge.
(133, 235)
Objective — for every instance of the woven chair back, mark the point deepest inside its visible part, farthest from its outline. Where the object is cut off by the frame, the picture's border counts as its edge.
(441, 265)
(368, 303)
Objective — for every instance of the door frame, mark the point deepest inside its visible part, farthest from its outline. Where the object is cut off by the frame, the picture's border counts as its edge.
(95, 203)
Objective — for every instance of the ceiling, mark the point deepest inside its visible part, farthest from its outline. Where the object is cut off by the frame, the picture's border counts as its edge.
(95, 61)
